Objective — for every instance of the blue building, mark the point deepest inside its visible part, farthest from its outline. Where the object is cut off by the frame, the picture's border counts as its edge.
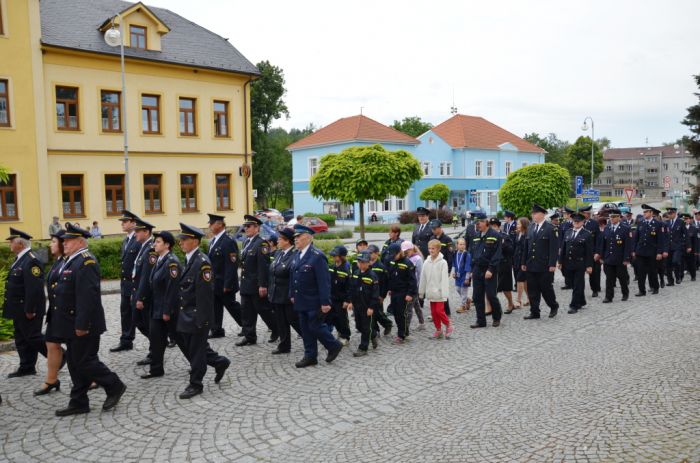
(470, 155)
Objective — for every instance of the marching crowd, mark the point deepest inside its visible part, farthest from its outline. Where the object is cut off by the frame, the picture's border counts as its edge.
(289, 283)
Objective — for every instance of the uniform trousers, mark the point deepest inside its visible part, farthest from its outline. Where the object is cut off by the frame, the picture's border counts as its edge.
(674, 265)
(647, 267)
(578, 281)
(286, 319)
(594, 277)
(400, 309)
(382, 319)
(158, 332)
(485, 289)
(689, 264)
(125, 312)
(194, 346)
(141, 318)
(85, 367)
(338, 317)
(314, 330)
(28, 340)
(233, 307)
(613, 273)
(366, 325)
(252, 306)
(540, 286)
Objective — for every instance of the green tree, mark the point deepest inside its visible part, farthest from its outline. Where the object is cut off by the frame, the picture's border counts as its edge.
(412, 126)
(692, 121)
(438, 192)
(4, 174)
(556, 149)
(545, 184)
(580, 159)
(362, 173)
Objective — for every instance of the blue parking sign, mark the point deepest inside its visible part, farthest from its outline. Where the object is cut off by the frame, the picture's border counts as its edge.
(579, 185)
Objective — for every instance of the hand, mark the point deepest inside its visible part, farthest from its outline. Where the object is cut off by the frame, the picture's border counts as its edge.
(523, 268)
(559, 266)
(370, 312)
(345, 305)
(349, 306)
(291, 299)
(388, 293)
(166, 317)
(665, 254)
(409, 298)
(262, 292)
(139, 305)
(488, 274)
(689, 250)
(227, 290)
(596, 257)
(634, 254)
(325, 308)
(81, 332)
(659, 257)
(552, 269)
(30, 316)
(625, 263)
(589, 270)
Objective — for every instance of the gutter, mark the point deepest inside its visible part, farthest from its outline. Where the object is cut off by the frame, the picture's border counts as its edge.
(245, 148)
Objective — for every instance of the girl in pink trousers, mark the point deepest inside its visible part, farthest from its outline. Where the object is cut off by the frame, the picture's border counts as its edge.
(434, 286)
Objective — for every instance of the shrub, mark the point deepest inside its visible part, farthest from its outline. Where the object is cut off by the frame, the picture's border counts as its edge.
(411, 217)
(545, 184)
(6, 328)
(342, 234)
(328, 218)
(384, 228)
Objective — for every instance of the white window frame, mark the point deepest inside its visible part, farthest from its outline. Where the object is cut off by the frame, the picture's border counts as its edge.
(489, 168)
(490, 200)
(427, 168)
(313, 169)
(508, 168)
(445, 169)
(371, 205)
(477, 168)
(478, 199)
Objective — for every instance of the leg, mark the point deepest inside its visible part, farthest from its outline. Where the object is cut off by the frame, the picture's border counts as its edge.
(158, 336)
(435, 308)
(217, 327)
(310, 345)
(127, 336)
(490, 287)
(610, 275)
(197, 351)
(533, 292)
(283, 328)
(578, 295)
(29, 341)
(233, 307)
(89, 368)
(595, 277)
(447, 307)
(264, 309)
(249, 317)
(547, 288)
(417, 306)
(398, 306)
(53, 361)
(478, 295)
(654, 273)
(624, 277)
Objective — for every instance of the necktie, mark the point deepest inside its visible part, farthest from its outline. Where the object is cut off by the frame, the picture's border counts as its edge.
(575, 233)
(421, 228)
(537, 229)
(211, 243)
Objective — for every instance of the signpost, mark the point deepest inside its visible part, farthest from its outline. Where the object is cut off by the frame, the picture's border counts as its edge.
(629, 192)
(579, 186)
(591, 196)
(667, 183)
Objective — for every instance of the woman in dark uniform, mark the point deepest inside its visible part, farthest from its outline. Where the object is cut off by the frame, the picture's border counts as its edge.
(505, 268)
(278, 290)
(518, 250)
(54, 356)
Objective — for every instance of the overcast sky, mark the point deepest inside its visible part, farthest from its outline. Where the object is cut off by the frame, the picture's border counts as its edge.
(528, 66)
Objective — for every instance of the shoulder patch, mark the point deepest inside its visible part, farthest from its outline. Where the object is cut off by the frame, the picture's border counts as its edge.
(36, 271)
(152, 258)
(264, 248)
(85, 254)
(89, 262)
(232, 256)
(174, 270)
(206, 273)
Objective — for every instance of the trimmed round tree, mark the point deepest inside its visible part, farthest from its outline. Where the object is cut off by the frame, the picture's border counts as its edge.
(439, 193)
(545, 184)
(362, 173)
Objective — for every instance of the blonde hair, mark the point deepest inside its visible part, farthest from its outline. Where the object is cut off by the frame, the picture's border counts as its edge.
(434, 243)
(461, 240)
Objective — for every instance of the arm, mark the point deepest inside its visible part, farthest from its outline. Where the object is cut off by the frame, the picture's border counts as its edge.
(231, 265)
(421, 285)
(33, 287)
(496, 257)
(143, 292)
(87, 293)
(588, 258)
(412, 283)
(553, 248)
(172, 288)
(204, 291)
(323, 278)
(263, 266)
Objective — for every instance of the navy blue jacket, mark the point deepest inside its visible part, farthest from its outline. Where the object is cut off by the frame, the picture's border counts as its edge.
(577, 253)
(677, 235)
(310, 281)
(196, 295)
(487, 251)
(615, 248)
(340, 281)
(164, 287)
(24, 288)
(224, 260)
(649, 239)
(541, 249)
(280, 271)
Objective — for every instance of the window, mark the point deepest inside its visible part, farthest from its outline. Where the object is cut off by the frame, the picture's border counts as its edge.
(477, 168)
(509, 168)
(137, 37)
(371, 205)
(426, 168)
(621, 167)
(152, 193)
(313, 166)
(608, 181)
(675, 165)
(387, 204)
(400, 204)
(111, 111)
(686, 180)
(608, 168)
(665, 166)
(4, 101)
(221, 118)
(651, 183)
(491, 200)
(630, 167)
(188, 127)
(619, 192)
(114, 193)
(446, 169)
(478, 199)
(8, 199)
(72, 195)
(652, 171)
(188, 192)
(675, 180)
(489, 168)
(150, 113)
(67, 108)
(524, 164)
(223, 192)
(2, 27)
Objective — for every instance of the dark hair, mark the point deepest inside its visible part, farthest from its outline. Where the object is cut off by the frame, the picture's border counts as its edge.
(395, 229)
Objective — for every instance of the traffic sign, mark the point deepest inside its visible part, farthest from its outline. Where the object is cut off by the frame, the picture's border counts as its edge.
(579, 185)
(629, 192)
(591, 192)
(591, 199)
(667, 183)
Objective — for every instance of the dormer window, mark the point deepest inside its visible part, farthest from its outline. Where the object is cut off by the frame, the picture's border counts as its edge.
(137, 37)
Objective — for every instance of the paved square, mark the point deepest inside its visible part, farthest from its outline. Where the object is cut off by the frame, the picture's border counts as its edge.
(615, 382)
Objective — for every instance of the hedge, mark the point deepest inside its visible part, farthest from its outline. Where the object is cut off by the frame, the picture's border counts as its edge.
(411, 217)
(342, 234)
(6, 329)
(384, 228)
(328, 218)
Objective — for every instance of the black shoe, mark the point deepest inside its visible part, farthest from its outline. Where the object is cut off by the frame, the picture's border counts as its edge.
(240, 334)
(670, 283)
(306, 362)
(496, 323)
(220, 370)
(49, 388)
(566, 287)
(217, 334)
(121, 347)
(476, 325)
(171, 344)
(595, 294)
(607, 301)
(273, 339)
(146, 361)
(71, 410)
(692, 278)
(112, 400)
(245, 342)
(375, 342)
(359, 353)
(640, 294)
(662, 284)
(152, 375)
(278, 352)
(625, 297)
(332, 354)
(531, 317)
(553, 313)
(19, 373)
(654, 291)
(572, 310)
(387, 330)
(190, 392)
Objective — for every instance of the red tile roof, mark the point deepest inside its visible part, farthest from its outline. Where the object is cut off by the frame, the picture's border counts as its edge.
(355, 128)
(619, 154)
(462, 131)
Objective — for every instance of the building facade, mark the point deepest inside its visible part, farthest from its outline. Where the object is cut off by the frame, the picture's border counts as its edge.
(645, 169)
(186, 111)
(470, 155)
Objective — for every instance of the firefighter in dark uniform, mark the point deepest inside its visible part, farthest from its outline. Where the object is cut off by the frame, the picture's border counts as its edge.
(576, 259)
(615, 251)
(403, 288)
(394, 238)
(648, 250)
(592, 226)
(255, 270)
(79, 319)
(539, 261)
(565, 225)
(164, 292)
(363, 300)
(678, 236)
(446, 248)
(697, 227)
(141, 276)
(223, 254)
(383, 276)
(471, 231)
(340, 281)
(422, 232)
(508, 226)
(310, 291)
(196, 294)
(691, 247)
(25, 303)
(278, 291)
(662, 263)
(486, 260)
(129, 249)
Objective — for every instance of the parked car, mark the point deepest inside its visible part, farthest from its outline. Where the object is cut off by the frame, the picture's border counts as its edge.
(315, 224)
(266, 231)
(605, 209)
(288, 214)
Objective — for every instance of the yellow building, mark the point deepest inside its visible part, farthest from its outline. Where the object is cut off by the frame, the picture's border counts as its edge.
(186, 111)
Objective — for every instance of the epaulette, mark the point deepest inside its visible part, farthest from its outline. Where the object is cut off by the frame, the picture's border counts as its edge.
(85, 254)
(491, 238)
(31, 254)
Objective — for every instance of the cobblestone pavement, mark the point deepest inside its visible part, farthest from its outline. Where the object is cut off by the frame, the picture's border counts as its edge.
(615, 382)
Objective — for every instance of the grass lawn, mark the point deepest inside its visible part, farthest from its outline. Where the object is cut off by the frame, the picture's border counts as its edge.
(571, 203)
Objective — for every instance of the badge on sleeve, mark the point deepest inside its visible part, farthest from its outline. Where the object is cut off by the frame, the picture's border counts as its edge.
(206, 274)
(232, 256)
(36, 271)
(152, 259)
(264, 249)
(173, 271)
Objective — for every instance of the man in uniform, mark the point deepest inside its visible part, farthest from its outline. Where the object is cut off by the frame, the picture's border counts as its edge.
(382, 274)
(223, 254)
(691, 250)
(446, 248)
(197, 312)
(565, 225)
(472, 231)
(648, 250)
(422, 232)
(678, 235)
(79, 318)
(576, 259)
(255, 269)
(129, 250)
(592, 226)
(340, 274)
(141, 277)
(614, 249)
(394, 238)
(310, 292)
(486, 259)
(25, 303)
(539, 261)
(508, 227)
(697, 228)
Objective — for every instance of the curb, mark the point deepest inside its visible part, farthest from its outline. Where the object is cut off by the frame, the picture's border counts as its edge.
(7, 346)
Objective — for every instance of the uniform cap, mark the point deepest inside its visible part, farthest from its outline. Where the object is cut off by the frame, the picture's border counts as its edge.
(494, 221)
(300, 229)
(393, 249)
(73, 231)
(577, 217)
(166, 236)
(273, 239)
(685, 215)
(422, 211)
(363, 256)
(554, 216)
(586, 209)
(339, 250)
(143, 225)
(568, 210)
(215, 218)
(372, 248)
(477, 214)
(538, 208)
(509, 214)
(361, 241)
(188, 231)
(288, 233)
(127, 215)
(59, 234)
(14, 233)
(251, 220)
(671, 209)
(614, 212)
(435, 223)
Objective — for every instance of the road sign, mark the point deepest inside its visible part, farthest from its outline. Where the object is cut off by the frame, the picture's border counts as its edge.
(591, 192)
(579, 185)
(629, 192)
(667, 183)
(591, 199)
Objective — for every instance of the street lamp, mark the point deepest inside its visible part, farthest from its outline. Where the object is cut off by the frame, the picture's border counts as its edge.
(115, 38)
(584, 127)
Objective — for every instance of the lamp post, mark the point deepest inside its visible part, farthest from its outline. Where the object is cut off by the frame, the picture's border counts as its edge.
(115, 37)
(584, 127)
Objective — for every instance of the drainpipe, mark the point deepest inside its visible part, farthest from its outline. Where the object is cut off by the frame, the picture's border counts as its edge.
(245, 146)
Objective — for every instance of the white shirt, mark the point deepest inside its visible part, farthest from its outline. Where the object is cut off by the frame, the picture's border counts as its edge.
(188, 256)
(538, 226)
(70, 258)
(19, 256)
(216, 238)
(303, 251)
